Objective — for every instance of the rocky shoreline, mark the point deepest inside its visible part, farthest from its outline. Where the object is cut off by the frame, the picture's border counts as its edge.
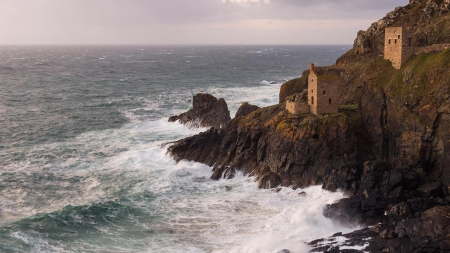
(388, 146)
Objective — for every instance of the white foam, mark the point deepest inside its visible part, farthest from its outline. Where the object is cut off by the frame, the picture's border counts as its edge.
(264, 95)
(204, 215)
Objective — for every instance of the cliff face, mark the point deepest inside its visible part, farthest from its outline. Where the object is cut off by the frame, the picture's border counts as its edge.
(407, 113)
(429, 20)
(277, 147)
(391, 152)
(404, 112)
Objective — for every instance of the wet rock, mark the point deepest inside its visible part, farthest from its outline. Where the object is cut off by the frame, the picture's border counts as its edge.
(207, 111)
(277, 190)
(302, 194)
(226, 188)
(269, 181)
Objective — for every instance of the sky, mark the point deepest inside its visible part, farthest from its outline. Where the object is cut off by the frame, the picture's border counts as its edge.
(188, 21)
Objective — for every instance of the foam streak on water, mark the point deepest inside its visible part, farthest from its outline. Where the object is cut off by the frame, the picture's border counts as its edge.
(83, 168)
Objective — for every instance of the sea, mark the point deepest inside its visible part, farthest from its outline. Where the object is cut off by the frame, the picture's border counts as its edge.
(84, 168)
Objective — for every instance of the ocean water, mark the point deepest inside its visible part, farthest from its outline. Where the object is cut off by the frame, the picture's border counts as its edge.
(83, 168)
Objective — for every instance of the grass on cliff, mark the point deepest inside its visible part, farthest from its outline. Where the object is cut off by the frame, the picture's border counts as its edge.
(420, 76)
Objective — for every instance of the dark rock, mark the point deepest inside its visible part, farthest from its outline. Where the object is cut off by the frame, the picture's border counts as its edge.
(427, 233)
(429, 190)
(296, 152)
(207, 111)
(302, 194)
(383, 155)
(284, 251)
(269, 181)
(227, 188)
(344, 178)
(277, 190)
(229, 172)
(410, 180)
(245, 109)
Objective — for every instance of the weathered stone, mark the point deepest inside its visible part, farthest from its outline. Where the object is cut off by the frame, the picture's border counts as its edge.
(245, 109)
(207, 111)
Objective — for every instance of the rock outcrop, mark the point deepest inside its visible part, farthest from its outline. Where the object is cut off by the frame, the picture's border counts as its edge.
(207, 111)
(428, 232)
(391, 154)
(276, 146)
(245, 109)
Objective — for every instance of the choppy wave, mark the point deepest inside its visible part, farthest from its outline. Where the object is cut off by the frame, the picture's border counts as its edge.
(83, 168)
(138, 200)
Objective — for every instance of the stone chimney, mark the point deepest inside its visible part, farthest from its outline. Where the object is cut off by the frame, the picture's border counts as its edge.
(311, 67)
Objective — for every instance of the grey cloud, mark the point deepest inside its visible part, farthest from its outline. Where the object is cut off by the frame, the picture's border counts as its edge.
(172, 21)
(144, 12)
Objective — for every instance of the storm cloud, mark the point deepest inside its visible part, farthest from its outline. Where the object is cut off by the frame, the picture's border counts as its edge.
(186, 21)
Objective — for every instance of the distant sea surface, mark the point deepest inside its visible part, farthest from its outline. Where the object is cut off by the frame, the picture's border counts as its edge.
(82, 168)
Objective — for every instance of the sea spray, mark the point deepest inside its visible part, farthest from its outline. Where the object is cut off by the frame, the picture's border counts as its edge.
(82, 167)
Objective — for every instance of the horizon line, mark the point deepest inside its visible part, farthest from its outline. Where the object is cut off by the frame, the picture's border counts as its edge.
(174, 44)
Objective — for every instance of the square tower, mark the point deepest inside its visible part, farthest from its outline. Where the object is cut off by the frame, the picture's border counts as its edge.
(322, 93)
(398, 45)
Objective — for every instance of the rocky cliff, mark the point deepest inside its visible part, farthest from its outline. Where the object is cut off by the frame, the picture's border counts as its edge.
(277, 147)
(388, 147)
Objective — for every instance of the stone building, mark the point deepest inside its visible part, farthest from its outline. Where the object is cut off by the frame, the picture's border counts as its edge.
(321, 97)
(322, 92)
(297, 104)
(398, 45)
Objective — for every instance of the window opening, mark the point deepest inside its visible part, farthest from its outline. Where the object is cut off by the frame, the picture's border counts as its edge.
(323, 92)
(409, 41)
(312, 100)
(395, 41)
(329, 101)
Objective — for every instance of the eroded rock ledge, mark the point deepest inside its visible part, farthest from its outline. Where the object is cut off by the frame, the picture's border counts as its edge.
(276, 146)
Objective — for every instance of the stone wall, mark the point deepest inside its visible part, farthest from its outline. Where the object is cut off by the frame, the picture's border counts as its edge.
(327, 96)
(312, 90)
(323, 94)
(297, 107)
(297, 104)
(436, 48)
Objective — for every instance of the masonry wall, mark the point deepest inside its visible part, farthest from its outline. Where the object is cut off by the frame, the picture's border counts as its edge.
(327, 97)
(398, 45)
(297, 107)
(312, 91)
